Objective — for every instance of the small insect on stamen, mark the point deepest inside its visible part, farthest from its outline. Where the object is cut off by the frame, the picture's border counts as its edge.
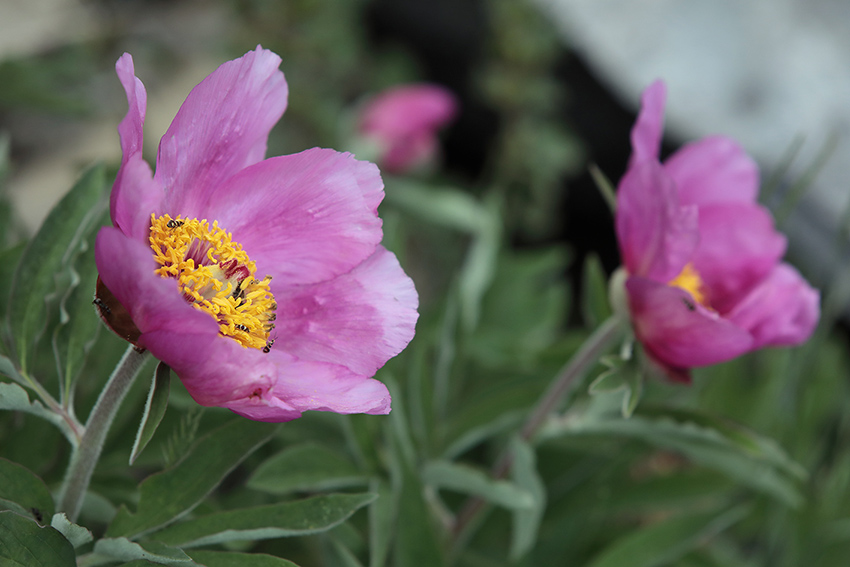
(242, 328)
(173, 223)
(268, 348)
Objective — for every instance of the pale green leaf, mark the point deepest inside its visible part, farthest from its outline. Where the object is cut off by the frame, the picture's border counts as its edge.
(526, 523)
(234, 559)
(301, 517)
(48, 253)
(155, 407)
(465, 479)
(15, 398)
(77, 535)
(305, 467)
(166, 496)
(125, 550)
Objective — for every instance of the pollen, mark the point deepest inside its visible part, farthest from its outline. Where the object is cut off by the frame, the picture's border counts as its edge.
(690, 280)
(216, 276)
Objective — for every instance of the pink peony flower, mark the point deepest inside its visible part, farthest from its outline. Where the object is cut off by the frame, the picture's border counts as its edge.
(403, 123)
(704, 280)
(261, 282)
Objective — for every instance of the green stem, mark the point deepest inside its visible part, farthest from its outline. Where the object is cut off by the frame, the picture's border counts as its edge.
(602, 339)
(85, 456)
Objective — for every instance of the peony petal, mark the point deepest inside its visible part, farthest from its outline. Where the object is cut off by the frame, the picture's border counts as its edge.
(358, 320)
(677, 331)
(135, 195)
(302, 218)
(222, 127)
(714, 169)
(738, 247)
(656, 235)
(131, 128)
(782, 311)
(649, 127)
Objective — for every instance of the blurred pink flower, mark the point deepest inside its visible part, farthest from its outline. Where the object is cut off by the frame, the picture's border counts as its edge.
(261, 282)
(704, 279)
(403, 123)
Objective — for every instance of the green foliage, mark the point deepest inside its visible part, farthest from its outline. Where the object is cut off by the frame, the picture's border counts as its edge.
(155, 407)
(25, 543)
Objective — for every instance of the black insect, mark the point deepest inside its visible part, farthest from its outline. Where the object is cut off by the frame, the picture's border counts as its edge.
(102, 306)
(268, 348)
(242, 328)
(689, 304)
(174, 223)
(36, 513)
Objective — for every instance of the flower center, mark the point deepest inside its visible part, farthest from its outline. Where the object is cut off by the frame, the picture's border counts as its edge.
(216, 276)
(690, 280)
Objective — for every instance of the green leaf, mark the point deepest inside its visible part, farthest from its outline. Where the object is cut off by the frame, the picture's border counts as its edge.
(666, 541)
(467, 480)
(758, 463)
(9, 259)
(526, 522)
(79, 325)
(382, 513)
(594, 305)
(301, 517)
(125, 550)
(20, 486)
(234, 559)
(77, 535)
(23, 543)
(625, 375)
(155, 407)
(47, 254)
(13, 397)
(170, 494)
(305, 467)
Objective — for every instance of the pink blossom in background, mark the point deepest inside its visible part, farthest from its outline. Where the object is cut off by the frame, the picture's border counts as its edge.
(705, 282)
(261, 282)
(403, 122)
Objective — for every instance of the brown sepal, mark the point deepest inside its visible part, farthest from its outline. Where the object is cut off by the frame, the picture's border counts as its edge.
(114, 315)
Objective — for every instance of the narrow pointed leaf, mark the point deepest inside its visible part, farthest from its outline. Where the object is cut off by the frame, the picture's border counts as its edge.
(48, 253)
(666, 541)
(595, 307)
(301, 517)
(155, 407)
(20, 486)
(23, 543)
(467, 480)
(170, 494)
(305, 467)
(13, 397)
(234, 559)
(125, 550)
(526, 522)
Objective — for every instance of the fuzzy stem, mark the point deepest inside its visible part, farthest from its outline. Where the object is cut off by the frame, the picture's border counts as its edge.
(85, 456)
(587, 355)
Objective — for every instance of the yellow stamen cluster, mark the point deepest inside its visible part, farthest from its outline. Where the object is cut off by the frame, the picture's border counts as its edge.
(216, 276)
(690, 280)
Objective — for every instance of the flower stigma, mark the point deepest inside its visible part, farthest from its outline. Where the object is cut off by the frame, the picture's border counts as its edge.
(690, 281)
(215, 276)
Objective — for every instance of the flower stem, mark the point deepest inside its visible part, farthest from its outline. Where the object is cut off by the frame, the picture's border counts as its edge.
(604, 336)
(85, 456)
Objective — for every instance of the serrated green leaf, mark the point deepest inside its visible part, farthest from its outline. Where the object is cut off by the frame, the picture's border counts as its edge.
(79, 325)
(155, 407)
(125, 550)
(47, 254)
(467, 480)
(23, 543)
(595, 306)
(15, 398)
(301, 517)
(168, 495)
(234, 559)
(666, 541)
(526, 523)
(77, 535)
(305, 467)
(22, 487)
